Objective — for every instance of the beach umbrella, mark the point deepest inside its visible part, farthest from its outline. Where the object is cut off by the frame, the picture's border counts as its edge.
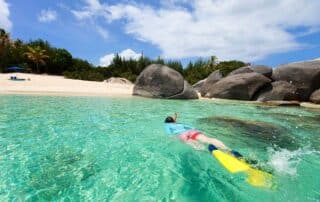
(15, 69)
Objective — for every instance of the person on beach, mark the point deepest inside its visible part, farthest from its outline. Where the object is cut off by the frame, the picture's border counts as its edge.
(190, 135)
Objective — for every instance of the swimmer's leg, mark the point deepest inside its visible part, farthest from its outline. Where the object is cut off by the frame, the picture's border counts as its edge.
(202, 138)
(217, 143)
(195, 144)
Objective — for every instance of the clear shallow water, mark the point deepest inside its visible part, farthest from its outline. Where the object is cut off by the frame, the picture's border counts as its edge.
(115, 149)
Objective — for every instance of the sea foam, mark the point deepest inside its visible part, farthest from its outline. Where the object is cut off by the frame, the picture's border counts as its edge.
(285, 162)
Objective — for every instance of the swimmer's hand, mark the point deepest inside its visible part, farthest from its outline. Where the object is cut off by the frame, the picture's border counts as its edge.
(175, 116)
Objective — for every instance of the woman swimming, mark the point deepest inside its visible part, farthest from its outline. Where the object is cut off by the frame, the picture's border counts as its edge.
(190, 135)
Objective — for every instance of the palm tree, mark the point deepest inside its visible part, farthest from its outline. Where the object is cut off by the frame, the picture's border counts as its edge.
(4, 40)
(37, 55)
(5, 44)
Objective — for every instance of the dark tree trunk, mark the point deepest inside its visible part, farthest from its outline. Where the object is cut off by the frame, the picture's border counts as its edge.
(37, 64)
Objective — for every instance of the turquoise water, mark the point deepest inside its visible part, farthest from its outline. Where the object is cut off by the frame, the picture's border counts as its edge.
(115, 149)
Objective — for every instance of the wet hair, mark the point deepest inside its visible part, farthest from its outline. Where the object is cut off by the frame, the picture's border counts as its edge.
(169, 119)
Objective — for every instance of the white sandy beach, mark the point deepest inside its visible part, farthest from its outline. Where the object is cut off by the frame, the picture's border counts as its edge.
(58, 85)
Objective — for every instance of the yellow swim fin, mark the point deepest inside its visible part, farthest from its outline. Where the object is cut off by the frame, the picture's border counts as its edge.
(256, 177)
(230, 163)
(259, 178)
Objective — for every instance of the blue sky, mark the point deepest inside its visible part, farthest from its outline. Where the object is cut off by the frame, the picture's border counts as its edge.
(261, 32)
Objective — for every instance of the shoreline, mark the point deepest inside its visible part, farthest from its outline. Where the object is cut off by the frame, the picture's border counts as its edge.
(51, 85)
(59, 86)
(63, 94)
(307, 105)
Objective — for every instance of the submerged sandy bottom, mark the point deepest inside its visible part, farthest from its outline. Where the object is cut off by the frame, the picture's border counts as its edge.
(116, 149)
(58, 85)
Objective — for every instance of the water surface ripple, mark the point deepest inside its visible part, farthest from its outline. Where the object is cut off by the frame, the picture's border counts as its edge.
(115, 149)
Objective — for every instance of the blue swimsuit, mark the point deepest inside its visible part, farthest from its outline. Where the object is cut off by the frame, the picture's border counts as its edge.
(176, 128)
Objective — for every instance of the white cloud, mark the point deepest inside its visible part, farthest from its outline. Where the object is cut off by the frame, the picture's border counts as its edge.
(5, 22)
(47, 15)
(103, 32)
(92, 8)
(106, 60)
(230, 29)
(317, 59)
(126, 54)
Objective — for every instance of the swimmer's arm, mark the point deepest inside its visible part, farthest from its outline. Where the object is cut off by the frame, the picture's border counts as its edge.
(175, 117)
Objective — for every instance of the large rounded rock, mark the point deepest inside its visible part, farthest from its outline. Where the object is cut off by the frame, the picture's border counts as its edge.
(159, 81)
(279, 90)
(187, 93)
(315, 97)
(118, 80)
(239, 86)
(197, 86)
(211, 79)
(262, 69)
(241, 70)
(304, 75)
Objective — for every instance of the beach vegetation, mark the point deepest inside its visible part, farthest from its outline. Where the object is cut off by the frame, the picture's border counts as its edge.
(39, 56)
(5, 46)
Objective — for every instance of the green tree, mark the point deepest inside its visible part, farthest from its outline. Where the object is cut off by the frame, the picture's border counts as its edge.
(159, 61)
(5, 45)
(44, 45)
(80, 65)
(201, 69)
(197, 71)
(16, 56)
(60, 61)
(213, 60)
(37, 55)
(4, 40)
(228, 66)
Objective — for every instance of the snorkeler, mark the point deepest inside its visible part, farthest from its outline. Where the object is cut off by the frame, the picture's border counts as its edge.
(194, 137)
(190, 135)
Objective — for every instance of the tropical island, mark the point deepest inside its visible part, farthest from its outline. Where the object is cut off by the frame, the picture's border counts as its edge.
(171, 100)
(38, 56)
(211, 79)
